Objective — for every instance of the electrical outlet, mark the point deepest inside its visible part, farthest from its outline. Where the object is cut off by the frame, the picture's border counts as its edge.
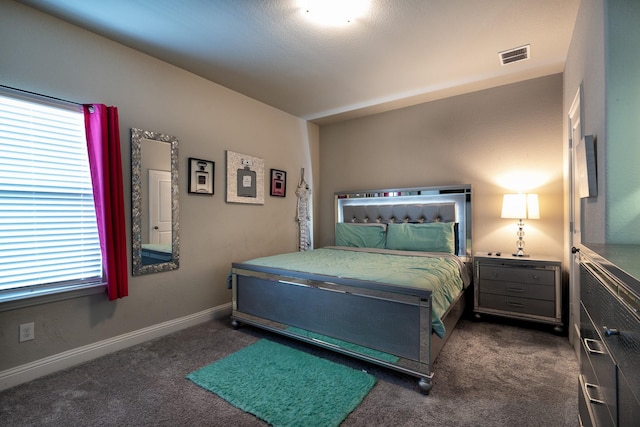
(27, 332)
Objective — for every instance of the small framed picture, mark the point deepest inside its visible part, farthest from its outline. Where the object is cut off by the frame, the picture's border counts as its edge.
(201, 176)
(278, 183)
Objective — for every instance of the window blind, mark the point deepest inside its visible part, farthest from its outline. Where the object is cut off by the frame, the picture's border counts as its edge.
(48, 231)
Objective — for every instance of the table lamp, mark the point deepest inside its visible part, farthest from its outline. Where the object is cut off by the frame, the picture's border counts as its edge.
(520, 206)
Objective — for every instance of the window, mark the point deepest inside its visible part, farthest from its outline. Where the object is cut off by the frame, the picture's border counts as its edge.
(48, 234)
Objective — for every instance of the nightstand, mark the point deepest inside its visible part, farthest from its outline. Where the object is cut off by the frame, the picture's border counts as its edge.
(528, 288)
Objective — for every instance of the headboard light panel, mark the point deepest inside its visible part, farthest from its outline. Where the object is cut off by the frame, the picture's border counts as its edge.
(412, 205)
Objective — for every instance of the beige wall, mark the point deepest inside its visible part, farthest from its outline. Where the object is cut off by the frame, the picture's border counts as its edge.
(44, 55)
(585, 67)
(622, 62)
(603, 58)
(585, 72)
(603, 61)
(498, 140)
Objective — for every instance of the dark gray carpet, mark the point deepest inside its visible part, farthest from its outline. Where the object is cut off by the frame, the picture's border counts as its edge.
(488, 374)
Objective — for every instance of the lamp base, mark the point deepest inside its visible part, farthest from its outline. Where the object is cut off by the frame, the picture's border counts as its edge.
(520, 250)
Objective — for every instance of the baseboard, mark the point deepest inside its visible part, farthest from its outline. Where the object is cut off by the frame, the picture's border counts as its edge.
(48, 365)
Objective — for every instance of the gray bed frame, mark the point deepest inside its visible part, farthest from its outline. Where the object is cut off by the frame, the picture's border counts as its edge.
(350, 316)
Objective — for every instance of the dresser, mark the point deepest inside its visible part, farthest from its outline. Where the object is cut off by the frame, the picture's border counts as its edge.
(528, 288)
(609, 382)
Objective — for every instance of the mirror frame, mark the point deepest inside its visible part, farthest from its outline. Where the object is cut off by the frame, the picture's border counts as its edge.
(137, 135)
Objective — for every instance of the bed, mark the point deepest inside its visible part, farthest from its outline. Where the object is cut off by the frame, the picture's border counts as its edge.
(391, 289)
(156, 253)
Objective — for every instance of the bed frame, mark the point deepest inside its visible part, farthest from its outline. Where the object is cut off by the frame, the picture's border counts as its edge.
(354, 317)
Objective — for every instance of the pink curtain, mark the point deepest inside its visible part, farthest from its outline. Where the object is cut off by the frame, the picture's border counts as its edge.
(103, 143)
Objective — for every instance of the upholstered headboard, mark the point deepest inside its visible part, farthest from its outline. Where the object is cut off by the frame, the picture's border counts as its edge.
(413, 205)
(385, 214)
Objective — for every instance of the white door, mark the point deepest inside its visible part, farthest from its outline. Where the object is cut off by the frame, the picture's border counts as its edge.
(575, 221)
(159, 207)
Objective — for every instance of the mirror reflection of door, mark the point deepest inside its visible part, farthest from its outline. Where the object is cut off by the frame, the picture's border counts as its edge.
(156, 213)
(159, 207)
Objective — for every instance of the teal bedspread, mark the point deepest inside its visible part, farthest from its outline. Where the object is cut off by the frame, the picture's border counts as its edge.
(443, 274)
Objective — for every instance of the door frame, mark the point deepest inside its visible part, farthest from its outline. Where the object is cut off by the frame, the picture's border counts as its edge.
(576, 133)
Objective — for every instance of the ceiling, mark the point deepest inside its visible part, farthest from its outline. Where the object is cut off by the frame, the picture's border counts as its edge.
(403, 52)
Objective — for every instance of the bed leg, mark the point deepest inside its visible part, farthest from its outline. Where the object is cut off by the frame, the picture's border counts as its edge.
(425, 384)
(235, 324)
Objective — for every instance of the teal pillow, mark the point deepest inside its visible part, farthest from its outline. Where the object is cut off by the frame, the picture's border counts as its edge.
(360, 235)
(425, 237)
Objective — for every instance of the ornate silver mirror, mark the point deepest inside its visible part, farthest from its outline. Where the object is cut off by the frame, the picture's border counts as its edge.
(155, 244)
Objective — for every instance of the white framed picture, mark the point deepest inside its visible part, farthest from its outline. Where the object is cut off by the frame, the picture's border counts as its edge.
(245, 179)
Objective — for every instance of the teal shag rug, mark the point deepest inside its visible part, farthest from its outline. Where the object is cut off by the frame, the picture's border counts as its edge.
(284, 386)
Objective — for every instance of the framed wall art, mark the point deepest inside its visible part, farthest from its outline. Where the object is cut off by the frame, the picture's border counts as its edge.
(278, 183)
(201, 176)
(245, 179)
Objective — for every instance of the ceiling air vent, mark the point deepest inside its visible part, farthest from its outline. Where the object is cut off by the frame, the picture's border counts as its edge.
(514, 55)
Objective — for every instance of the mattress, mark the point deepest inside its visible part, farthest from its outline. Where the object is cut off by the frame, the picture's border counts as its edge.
(154, 253)
(443, 274)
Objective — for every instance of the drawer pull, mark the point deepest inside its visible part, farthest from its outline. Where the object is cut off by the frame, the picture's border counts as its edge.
(589, 348)
(515, 304)
(515, 290)
(610, 331)
(589, 386)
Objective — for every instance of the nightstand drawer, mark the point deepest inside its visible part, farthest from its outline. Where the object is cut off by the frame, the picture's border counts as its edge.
(517, 274)
(517, 305)
(519, 289)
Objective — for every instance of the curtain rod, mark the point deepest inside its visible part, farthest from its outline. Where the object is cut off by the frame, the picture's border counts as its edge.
(39, 94)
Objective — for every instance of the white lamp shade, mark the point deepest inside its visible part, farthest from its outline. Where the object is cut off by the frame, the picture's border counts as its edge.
(520, 206)
(533, 209)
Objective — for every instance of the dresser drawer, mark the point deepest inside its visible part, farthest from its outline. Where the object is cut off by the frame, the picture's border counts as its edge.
(517, 305)
(610, 332)
(598, 301)
(591, 413)
(535, 276)
(585, 413)
(517, 289)
(599, 371)
(625, 348)
(628, 404)
(610, 314)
